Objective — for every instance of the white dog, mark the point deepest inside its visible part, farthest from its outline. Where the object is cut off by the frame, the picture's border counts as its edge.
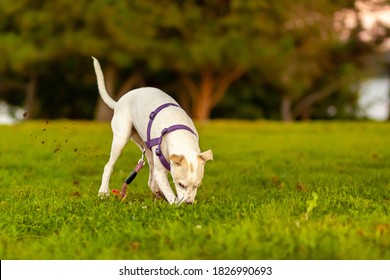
(154, 120)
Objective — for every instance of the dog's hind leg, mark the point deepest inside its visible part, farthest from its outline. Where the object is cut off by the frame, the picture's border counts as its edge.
(121, 136)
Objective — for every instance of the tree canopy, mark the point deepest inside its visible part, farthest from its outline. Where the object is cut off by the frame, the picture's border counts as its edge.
(288, 56)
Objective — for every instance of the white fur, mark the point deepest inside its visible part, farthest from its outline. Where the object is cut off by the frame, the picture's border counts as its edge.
(180, 147)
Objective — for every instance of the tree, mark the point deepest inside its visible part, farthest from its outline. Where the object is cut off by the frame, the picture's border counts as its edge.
(290, 50)
(210, 45)
(17, 52)
(320, 62)
(293, 45)
(185, 37)
(36, 35)
(28, 44)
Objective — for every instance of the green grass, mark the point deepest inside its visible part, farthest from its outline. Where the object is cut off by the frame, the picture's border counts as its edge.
(258, 198)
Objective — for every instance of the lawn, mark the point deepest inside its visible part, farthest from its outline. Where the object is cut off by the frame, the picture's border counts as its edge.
(316, 190)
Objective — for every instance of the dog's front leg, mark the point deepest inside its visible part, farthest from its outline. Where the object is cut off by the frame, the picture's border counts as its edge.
(161, 179)
(151, 181)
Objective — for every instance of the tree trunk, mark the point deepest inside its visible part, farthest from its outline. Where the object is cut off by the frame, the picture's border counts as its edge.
(203, 103)
(103, 112)
(304, 107)
(202, 109)
(306, 114)
(30, 101)
(211, 90)
(285, 109)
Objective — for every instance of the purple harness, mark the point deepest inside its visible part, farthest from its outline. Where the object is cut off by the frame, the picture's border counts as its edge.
(157, 141)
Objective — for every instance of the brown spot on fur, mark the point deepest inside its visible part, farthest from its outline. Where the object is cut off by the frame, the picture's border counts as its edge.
(185, 163)
(191, 167)
(177, 159)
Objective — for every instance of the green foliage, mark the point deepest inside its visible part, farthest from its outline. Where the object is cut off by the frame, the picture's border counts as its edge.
(291, 47)
(252, 203)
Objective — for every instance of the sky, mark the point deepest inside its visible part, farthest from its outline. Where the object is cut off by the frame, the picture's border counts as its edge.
(374, 93)
(374, 99)
(370, 13)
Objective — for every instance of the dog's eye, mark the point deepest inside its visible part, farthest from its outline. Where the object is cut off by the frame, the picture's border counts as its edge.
(181, 185)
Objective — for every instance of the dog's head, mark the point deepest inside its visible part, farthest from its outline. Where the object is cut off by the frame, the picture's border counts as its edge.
(187, 173)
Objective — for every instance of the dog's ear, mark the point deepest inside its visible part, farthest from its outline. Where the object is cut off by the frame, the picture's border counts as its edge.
(205, 156)
(176, 159)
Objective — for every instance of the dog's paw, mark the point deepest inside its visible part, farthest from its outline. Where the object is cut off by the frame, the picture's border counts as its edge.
(172, 201)
(103, 194)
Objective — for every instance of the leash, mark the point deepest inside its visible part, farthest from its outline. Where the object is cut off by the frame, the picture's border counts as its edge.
(149, 144)
(131, 177)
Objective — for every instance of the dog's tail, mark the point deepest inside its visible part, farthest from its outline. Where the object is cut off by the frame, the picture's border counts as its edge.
(101, 85)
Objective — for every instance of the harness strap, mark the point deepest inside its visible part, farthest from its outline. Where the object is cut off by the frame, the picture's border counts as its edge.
(151, 118)
(157, 141)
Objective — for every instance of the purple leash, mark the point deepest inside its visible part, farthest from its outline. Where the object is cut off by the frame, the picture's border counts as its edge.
(151, 143)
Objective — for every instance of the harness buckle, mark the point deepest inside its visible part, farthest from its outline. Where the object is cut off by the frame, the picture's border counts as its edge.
(158, 151)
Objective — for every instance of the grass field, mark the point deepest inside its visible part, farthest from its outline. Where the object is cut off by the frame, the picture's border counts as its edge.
(274, 191)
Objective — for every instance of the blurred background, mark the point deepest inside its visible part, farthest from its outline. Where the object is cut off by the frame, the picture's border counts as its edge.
(242, 59)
